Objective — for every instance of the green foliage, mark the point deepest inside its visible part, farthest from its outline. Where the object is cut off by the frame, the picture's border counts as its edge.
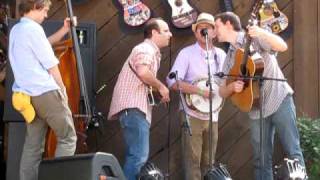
(309, 130)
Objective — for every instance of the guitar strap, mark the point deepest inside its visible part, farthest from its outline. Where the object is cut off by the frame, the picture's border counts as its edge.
(152, 98)
(136, 74)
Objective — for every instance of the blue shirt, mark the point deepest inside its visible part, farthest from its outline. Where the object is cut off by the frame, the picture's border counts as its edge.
(31, 55)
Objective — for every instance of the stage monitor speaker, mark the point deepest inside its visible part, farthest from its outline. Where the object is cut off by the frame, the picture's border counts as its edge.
(96, 166)
(87, 43)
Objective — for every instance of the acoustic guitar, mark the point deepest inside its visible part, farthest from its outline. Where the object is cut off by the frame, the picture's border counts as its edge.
(135, 13)
(183, 15)
(271, 18)
(247, 65)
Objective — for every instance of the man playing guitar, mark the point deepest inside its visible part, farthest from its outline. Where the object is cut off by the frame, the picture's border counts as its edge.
(278, 107)
(191, 66)
(130, 95)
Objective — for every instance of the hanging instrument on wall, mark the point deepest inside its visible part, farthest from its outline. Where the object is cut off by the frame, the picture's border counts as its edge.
(271, 18)
(135, 13)
(183, 15)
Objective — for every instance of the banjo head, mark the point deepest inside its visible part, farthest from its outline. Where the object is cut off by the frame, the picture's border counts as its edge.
(201, 104)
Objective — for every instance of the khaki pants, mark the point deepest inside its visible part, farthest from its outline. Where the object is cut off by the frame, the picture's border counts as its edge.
(51, 110)
(196, 148)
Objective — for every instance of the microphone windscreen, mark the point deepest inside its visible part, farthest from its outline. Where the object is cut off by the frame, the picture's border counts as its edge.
(204, 32)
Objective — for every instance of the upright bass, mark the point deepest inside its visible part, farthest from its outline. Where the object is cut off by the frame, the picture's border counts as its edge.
(73, 77)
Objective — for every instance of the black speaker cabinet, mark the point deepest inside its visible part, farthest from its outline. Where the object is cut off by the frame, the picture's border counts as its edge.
(81, 167)
(87, 42)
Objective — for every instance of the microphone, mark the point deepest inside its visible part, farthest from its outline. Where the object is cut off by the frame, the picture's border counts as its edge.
(204, 32)
(172, 75)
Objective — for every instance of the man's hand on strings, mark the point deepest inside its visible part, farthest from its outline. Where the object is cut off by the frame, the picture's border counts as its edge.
(236, 86)
(255, 31)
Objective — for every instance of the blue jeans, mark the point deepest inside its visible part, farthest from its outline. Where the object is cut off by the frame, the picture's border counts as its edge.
(284, 122)
(136, 131)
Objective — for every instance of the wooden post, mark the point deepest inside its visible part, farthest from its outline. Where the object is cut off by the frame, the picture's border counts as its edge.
(306, 57)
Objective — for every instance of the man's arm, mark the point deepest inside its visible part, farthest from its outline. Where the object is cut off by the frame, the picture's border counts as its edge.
(276, 42)
(147, 77)
(190, 89)
(54, 71)
(227, 90)
(57, 36)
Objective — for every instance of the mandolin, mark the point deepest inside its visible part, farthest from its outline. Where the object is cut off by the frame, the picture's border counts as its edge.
(183, 15)
(135, 13)
(247, 65)
(271, 18)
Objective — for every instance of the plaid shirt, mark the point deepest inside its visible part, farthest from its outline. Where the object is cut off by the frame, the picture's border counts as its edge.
(130, 91)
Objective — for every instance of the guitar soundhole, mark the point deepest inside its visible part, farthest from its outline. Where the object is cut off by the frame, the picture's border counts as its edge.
(276, 14)
(178, 3)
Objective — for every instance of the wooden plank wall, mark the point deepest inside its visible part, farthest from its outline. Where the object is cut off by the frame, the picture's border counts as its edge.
(114, 43)
(306, 54)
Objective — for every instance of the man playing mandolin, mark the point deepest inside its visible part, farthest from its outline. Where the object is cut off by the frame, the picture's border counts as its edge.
(130, 95)
(38, 91)
(278, 107)
(191, 67)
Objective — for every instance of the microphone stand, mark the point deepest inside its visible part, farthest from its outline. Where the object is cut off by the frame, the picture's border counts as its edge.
(260, 80)
(97, 119)
(186, 122)
(204, 32)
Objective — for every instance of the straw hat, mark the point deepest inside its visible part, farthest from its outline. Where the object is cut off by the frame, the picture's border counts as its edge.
(203, 18)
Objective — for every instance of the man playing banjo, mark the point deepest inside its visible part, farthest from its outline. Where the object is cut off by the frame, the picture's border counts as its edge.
(191, 71)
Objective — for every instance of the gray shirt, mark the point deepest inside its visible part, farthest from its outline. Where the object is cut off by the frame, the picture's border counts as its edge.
(273, 91)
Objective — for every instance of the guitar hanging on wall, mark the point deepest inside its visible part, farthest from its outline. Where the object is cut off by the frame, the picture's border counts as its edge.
(183, 15)
(271, 18)
(135, 13)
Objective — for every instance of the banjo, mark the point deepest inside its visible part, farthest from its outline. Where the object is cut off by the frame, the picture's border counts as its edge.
(200, 103)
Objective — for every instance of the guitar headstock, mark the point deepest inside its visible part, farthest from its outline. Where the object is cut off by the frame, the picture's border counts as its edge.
(254, 17)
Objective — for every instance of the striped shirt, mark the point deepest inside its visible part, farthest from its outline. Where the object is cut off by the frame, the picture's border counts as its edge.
(191, 66)
(273, 91)
(130, 91)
